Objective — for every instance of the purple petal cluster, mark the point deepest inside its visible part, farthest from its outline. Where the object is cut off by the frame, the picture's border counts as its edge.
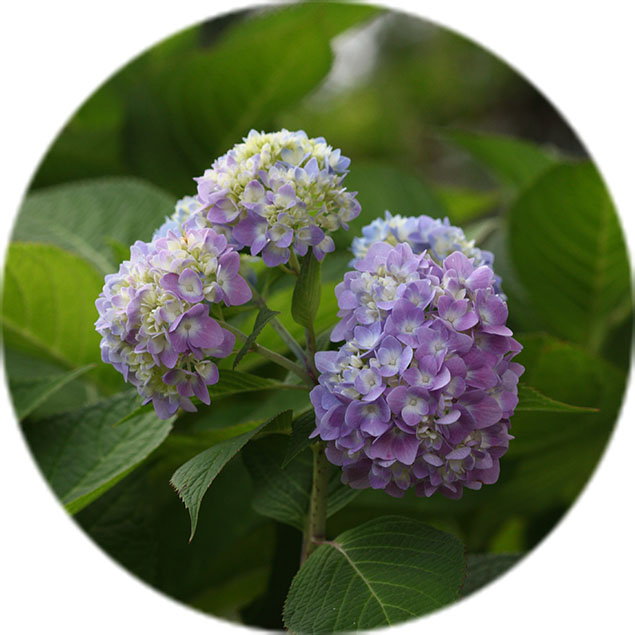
(275, 193)
(423, 233)
(422, 392)
(154, 316)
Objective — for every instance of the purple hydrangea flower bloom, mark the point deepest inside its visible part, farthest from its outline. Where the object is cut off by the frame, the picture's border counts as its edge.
(271, 194)
(437, 237)
(154, 316)
(421, 393)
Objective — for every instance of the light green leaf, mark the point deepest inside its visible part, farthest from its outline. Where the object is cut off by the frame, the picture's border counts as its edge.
(284, 493)
(465, 205)
(49, 309)
(27, 395)
(308, 289)
(86, 217)
(80, 451)
(568, 251)
(194, 478)
(515, 162)
(264, 315)
(532, 400)
(301, 428)
(383, 572)
(483, 568)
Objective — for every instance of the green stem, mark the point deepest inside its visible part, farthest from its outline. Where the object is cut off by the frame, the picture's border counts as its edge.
(272, 356)
(294, 262)
(282, 332)
(316, 521)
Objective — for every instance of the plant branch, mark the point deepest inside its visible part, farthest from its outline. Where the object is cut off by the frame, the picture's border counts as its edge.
(316, 520)
(282, 332)
(272, 356)
(293, 262)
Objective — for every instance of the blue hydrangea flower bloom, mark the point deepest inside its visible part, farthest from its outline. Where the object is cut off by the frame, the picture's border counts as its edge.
(273, 193)
(154, 316)
(437, 236)
(421, 393)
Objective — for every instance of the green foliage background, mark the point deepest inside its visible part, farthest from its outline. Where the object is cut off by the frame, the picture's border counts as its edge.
(436, 126)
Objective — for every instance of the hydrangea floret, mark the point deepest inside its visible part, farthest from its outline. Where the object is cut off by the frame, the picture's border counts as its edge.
(154, 316)
(421, 393)
(275, 193)
(438, 237)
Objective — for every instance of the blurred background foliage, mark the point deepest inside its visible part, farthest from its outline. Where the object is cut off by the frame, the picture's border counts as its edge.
(434, 125)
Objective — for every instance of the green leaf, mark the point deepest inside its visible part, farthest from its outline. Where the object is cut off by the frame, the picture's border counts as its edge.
(29, 394)
(233, 382)
(90, 144)
(279, 301)
(260, 59)
(514, 162)
(264, 315)
(49, 308)
(465, 205)
(553, 454)
(301, 428)
(532, 400)
(308, 289)
(384, 187)
(225, 598)
(568, 250)
(23, 369)
(194, 478)
(284, 493)
(80, 451)
(381, 573)
(121, 522)
(86, 217)
(484, 568)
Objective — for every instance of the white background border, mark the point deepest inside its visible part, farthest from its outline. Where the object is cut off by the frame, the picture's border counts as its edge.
(54, 54)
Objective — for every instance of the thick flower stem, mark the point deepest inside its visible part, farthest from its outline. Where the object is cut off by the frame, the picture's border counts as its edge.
(272, 356)
(316, 521)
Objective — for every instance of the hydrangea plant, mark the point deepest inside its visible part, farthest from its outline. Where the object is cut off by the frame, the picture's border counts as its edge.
(419, 390)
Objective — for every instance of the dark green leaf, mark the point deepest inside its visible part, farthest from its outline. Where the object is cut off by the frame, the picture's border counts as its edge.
(81, 453)
(49, 308)
(381, 573)
(516, 163)
(259, 58)
(264, 315)
(553, 454)
(284, 493)
(29, 394)
(301, 428)
(233, 382)
(193, 478)
(121, 523)
(568, 250)
(384, 187)
(307, 292)
(23, 369)
(532, 400)
(484, 568)
(90, 144)
(86, 217)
